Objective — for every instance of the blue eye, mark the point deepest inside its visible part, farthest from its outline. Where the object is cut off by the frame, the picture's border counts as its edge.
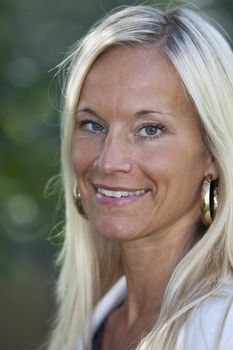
(92, 126)
(150, 130)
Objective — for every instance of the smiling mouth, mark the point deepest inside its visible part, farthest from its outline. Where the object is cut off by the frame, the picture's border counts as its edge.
(119, 193)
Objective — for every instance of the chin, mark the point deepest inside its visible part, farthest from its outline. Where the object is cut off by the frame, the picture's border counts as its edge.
(118, 229)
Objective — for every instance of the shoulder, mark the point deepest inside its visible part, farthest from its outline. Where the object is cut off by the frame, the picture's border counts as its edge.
(210, 324)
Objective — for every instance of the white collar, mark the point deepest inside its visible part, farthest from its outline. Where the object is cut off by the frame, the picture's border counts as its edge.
(109, 301)
(104, 307)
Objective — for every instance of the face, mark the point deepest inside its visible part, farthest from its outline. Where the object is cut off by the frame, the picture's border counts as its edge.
(137, 150)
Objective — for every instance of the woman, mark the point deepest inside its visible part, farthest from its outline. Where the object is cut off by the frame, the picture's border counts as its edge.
(147, 146)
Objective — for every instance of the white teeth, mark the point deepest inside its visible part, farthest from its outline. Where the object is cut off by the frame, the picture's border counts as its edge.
(124, 194)
(118, 194)
(138, 193)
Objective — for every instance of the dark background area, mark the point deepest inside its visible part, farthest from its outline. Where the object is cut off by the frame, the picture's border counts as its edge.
(34, 36)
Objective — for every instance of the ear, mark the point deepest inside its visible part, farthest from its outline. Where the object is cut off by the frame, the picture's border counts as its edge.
(212, 167)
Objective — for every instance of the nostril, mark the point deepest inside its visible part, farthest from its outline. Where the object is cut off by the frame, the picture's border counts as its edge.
(113, 158)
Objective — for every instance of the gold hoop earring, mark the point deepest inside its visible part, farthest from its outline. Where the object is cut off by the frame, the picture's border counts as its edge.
(78, 202)
(209, 200)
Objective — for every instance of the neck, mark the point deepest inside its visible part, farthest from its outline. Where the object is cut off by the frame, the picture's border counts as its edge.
(148, 265)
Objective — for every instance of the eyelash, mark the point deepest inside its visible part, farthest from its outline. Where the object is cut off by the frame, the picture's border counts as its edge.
(159, 127)
(83, 123)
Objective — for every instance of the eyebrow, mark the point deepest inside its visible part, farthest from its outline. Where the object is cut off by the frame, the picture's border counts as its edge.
(88, 110)
(145, 112)
(140, 113)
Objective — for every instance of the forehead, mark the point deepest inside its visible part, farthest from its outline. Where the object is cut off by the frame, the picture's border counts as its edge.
(132, 63)
(135, 77)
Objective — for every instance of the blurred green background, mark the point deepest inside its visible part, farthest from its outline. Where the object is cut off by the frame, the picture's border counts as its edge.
(34, 36)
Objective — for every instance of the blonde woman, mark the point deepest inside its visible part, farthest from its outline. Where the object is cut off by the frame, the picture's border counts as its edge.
(147, 164)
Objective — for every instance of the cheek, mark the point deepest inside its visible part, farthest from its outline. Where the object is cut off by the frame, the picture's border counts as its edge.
(76, 156)
(160, 157)
(83, 154)
(174, 161)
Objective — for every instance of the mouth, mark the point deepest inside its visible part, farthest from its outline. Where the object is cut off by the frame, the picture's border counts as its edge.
(114, 195)
(119, 194)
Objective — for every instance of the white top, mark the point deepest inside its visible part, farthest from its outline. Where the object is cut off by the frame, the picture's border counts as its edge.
(209, 326)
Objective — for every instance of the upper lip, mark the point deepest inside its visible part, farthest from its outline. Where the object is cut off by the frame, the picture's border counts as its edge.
(120, 189)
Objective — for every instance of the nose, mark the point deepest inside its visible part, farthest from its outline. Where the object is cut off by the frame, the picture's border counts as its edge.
(114, 155)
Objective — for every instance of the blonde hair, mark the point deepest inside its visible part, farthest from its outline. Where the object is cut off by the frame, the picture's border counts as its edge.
(204, 61)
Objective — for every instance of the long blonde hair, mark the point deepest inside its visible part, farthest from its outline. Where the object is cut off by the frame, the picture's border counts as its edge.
(204, 61)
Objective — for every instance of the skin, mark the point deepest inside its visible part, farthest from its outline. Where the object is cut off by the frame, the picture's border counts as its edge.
(114, 145)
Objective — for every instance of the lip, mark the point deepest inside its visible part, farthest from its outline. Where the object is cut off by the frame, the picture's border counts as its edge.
(120, 189)
(112, 201)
